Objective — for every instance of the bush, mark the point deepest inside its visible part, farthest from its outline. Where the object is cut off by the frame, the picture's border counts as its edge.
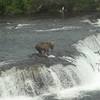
(49, 6)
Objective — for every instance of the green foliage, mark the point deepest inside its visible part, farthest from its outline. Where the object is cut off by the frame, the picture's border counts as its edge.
(85, 5)
(50, 6)
(2, 6)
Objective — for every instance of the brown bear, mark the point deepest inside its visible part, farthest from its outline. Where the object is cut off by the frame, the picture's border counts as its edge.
(44, 47)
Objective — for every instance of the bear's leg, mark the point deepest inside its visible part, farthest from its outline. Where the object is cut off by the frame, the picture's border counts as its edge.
(40, 51)
(47, 51)
(44, 52)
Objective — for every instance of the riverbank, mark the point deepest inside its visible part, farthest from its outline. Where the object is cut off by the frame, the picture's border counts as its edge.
(50, 16)
(31, 7)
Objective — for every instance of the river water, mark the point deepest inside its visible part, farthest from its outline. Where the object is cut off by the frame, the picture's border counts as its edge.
(71, 72)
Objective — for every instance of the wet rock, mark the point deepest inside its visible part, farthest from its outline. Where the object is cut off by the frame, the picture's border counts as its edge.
(34, 59)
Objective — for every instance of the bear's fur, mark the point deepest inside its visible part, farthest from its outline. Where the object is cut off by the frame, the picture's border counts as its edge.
(44, 47)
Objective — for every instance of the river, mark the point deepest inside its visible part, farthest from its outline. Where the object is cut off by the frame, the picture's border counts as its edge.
(71, 72)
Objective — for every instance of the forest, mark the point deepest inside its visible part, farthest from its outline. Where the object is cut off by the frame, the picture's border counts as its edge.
(31, 7)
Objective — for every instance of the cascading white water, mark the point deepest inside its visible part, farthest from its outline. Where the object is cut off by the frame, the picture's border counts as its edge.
(88, 62)
(33, 81)
(82, 74)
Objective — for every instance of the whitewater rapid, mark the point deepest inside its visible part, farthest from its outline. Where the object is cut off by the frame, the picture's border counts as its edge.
(64, 82)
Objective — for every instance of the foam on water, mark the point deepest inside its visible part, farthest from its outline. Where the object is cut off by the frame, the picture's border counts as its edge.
(21, 98)
(17, 98)
(6, 62)
(51, 56)
(86, 21)
(18, 26)
(21, 25)
(95, 23)
(59, 29)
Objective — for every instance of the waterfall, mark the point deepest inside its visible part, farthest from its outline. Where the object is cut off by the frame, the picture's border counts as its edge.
(83, 71)
(34, 80)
